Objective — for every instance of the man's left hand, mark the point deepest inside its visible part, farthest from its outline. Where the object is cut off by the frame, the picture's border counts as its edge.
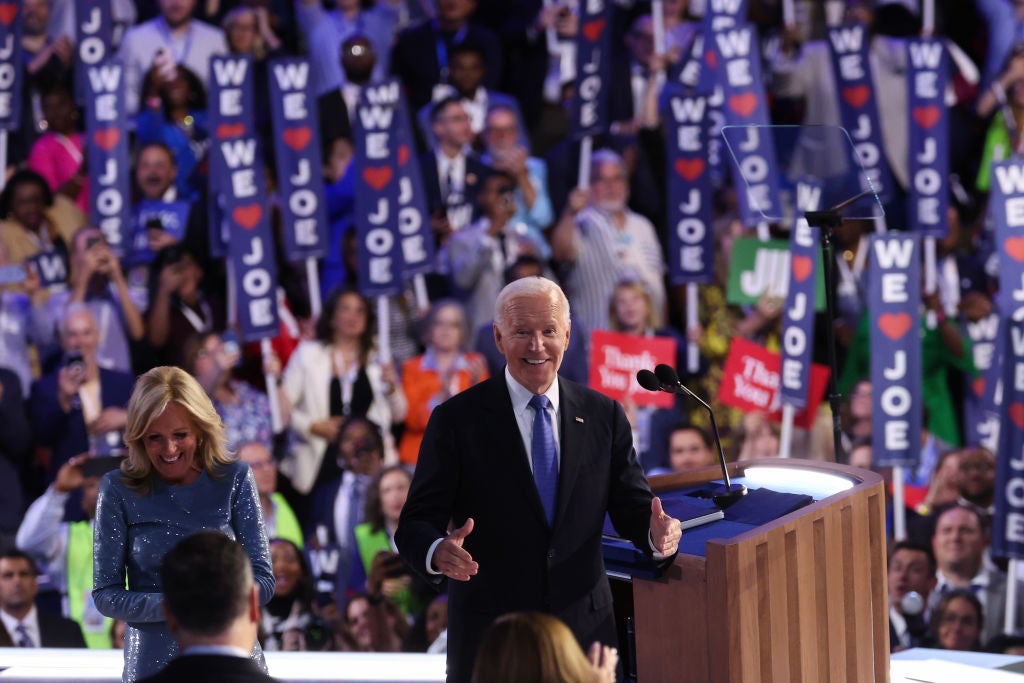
(665, 530)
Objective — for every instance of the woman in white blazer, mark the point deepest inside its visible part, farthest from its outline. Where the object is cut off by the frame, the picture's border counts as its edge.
(335, 376)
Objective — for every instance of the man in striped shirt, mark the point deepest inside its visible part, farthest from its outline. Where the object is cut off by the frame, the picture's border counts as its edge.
(605, 243)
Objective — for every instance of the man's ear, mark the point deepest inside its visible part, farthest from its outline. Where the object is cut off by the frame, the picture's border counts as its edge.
(254, 604)
(498, 338)
(172, 623)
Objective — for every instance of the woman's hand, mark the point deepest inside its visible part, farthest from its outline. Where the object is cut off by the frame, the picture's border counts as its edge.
(604, 660)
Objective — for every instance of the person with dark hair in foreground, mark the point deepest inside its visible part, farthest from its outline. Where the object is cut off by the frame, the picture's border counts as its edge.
(212, 607)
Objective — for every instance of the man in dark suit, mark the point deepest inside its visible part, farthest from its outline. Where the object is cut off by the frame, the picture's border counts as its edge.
(213, 609)
(452, 173)
(524, 466)
(80, 406)
(23, 624)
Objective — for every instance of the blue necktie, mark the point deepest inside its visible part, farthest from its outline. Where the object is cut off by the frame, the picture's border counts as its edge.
(545, 456)
(23, 639)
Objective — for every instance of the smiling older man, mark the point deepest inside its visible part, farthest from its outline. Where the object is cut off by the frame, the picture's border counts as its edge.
(525, 466)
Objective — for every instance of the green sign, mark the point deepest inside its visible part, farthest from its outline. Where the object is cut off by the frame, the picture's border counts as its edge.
(757, 268)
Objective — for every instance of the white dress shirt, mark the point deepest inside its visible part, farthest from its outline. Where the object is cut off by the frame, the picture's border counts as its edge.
(31, 623)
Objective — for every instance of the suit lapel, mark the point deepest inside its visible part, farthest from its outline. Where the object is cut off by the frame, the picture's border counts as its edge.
(572, 432)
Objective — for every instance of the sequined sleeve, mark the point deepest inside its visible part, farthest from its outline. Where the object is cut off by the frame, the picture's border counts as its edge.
(110, 553)
(251, 532)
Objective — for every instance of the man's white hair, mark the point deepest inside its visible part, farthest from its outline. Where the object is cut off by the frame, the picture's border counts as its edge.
(534, 286)
(75, 309)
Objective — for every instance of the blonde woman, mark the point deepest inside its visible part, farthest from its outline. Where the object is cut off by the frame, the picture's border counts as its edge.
(533, 646)
(178, 478)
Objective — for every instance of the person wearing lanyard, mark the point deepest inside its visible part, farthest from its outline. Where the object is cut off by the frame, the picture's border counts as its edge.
(421, 54)
(175, 37)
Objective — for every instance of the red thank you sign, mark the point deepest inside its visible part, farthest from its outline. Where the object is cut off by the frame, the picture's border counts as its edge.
(751, 380)
(615, 359)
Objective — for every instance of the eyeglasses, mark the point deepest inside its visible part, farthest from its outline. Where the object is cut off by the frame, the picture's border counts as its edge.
(976, 467)
(961, 619)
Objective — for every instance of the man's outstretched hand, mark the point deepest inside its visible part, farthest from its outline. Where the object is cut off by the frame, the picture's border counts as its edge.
(451, 559)
(665, 530)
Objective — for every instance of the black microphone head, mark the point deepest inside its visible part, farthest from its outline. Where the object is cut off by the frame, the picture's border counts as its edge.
(666, 374)
(648, 380)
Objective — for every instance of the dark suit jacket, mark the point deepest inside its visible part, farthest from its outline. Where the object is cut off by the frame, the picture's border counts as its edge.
(334, 120)
(210, 669)
(476, 172)
(473, 464)
(414, 59)
(66, 433)
(15, 451)
(57, 631)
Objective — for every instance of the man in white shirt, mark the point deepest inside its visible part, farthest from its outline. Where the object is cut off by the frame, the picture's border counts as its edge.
(23, 624)
(177, 37)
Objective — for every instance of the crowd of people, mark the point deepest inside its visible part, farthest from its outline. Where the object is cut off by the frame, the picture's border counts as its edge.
(491, 87)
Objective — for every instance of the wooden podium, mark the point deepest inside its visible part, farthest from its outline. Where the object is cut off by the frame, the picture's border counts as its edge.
(802, 598)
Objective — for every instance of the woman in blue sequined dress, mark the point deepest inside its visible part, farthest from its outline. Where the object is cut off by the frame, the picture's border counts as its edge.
(178, 478)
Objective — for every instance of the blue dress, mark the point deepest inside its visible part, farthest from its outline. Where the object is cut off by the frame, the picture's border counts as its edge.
(132, 534)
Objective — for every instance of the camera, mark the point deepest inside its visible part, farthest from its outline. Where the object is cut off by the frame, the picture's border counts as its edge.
(74, 362)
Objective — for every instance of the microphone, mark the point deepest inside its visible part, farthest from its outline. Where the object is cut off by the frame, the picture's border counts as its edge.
(912, 607)
(664, 378)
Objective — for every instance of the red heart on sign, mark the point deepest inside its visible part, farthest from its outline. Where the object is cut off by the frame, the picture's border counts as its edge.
(801, 267)
(857, 95)
(690, 169)
(297, 138)
(8, 11)
(377, 176)
(1017, 414)
(403, 154)
(711, 59)
(230, 130)
(248, 216)
(106, 138)
(979, 386)
(1014, 246)
(744, 104)
(926, 117)
(894, 325)
(592, 29)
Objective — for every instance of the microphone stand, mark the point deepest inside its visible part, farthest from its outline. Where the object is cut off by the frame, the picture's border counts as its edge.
(723, 496)
(828, 220)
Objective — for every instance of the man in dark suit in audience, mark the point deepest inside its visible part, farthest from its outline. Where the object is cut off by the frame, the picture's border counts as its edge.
(23, 624)
(524, 467)
(212, 607)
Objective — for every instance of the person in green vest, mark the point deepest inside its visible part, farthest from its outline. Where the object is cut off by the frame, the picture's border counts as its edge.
(278, 516)
(386, 572)
(63, 550)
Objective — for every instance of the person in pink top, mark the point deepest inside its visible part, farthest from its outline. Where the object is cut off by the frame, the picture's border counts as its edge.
(58, 155)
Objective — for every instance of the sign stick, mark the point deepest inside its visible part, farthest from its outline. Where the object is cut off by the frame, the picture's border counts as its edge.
(788, 13)
(899, 511)
(275, 408)
(3, 158)
(692, 320)
(930, 276)
(550, 35)
(786, 436)
(383, 329)
(928, 22)
(586, 149)
(1010, 617)
(419, 285)
(764, 233)
(313, 280)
